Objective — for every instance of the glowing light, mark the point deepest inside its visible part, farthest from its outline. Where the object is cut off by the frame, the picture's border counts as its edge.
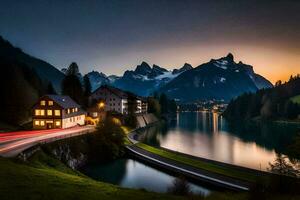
(116, 121)
(49, 112)
(43, 103)
(50, 103)
(57, 112)
(101, 105)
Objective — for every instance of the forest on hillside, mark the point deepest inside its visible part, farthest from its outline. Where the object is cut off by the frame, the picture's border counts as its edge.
(268, 104)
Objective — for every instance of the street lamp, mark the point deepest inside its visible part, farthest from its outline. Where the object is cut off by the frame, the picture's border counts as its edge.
(101, 105)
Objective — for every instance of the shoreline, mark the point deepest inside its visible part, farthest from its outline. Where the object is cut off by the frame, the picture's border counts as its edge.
(219, 170)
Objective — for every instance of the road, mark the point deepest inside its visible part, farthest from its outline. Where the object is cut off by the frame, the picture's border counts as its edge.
(13, 143)
(189, 171)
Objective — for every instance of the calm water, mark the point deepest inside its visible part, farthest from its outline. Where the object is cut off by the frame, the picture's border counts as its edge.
(208, 135)
(130, 173)
(201, 134)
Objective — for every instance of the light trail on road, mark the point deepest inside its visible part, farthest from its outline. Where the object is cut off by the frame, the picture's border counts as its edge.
(14, 143)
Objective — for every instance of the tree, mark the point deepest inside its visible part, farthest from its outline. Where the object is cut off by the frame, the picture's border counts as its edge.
(71, 84)
(293, 149)
(172, 106)
(180, 187)
(153, 106)
(87, 90)
(282, 167)
(291, 110)
(18, 93)
(130, 119)
(163, 101)
(73, 69)
(87, 86)
(50, 89)
(108, 141)
(278, 83)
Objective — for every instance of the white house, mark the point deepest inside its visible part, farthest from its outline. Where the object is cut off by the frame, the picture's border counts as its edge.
(57, 111)
(116, 100)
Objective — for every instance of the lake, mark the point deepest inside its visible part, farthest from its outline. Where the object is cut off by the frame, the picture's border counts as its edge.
(209, 135)
(131, 173)
(203, 134)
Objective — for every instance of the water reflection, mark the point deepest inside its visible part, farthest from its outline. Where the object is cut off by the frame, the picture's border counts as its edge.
(133, 174)
(209, 135)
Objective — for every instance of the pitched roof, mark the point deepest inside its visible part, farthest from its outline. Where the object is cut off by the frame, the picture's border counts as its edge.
(118, 92)
(64, 101)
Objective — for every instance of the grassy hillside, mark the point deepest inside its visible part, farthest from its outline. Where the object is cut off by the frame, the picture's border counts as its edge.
(43, 177)
(46, 178)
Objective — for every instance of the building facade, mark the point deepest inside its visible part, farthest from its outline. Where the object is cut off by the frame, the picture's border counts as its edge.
(116, 100)
(57, 111)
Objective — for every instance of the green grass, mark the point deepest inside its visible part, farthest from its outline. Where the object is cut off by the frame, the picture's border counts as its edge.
(127, 130)
(222, 170)
(296, 99)
(44, 177)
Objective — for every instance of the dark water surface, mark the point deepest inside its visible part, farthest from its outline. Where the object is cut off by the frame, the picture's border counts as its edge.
(203, 134)
(209, 135)
(130, 173)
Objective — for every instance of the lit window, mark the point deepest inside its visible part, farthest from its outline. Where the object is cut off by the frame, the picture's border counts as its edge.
(42, 123)
(42, 112)
(49, 112)
(73, 110)
(57, 123)
(68, 111)
(43, 103)
(76, 109)
(94, 114)
(50, 103)
(37, 112)
(37, 123)
(57, 112)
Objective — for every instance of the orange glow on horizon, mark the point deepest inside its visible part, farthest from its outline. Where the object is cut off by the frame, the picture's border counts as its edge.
(273, 63)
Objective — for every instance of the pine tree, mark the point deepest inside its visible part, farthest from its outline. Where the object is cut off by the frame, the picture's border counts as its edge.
(87, 86)
(163, 101)
(71, 84)
(130, 119)
(50, 89)
(87, 90)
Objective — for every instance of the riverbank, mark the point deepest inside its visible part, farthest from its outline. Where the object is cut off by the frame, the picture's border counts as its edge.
(213, 172)
(233, 173)
(44, 177)
(259, 183)
(277, 121)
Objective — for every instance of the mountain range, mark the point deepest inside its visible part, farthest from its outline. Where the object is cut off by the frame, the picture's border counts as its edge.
(221, 78)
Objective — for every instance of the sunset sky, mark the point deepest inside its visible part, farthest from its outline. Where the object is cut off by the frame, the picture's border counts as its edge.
(112, 36)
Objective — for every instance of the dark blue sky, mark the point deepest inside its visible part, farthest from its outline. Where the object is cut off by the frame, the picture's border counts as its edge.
(111, 36)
